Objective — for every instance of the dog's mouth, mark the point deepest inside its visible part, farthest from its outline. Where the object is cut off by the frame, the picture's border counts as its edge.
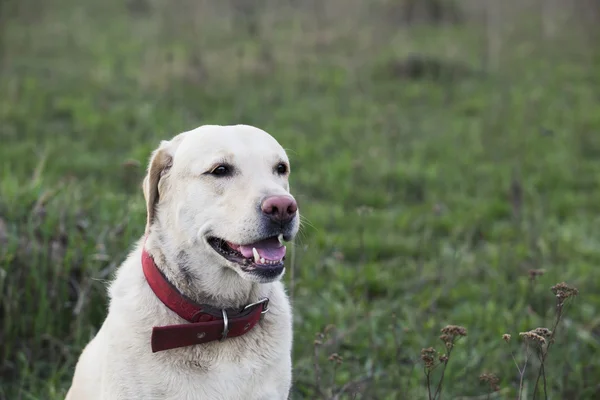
(266, 253)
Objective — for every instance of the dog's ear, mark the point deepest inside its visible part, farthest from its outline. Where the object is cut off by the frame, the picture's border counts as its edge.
(160, 162)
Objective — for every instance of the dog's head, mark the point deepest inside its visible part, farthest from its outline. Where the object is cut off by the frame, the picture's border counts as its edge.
(224, 190)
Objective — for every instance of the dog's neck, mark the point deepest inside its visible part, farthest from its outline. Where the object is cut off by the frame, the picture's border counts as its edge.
(196, 274)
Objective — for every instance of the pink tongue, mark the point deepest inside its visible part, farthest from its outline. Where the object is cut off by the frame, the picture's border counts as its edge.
(269, 249)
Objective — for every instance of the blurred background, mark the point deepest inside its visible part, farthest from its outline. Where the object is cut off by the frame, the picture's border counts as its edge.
(445, 155)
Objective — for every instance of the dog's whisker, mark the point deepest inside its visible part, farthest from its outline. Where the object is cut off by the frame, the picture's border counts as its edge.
(305, 221)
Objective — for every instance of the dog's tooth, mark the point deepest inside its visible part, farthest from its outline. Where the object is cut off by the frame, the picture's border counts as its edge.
(280, 238)
(262, 260)
(256, 255)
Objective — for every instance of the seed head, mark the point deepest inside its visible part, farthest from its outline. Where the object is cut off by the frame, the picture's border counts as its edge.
(564, 291)
(533, 338)
(506, 337)
(454, 330)
(336, 358)
(543, 332)
(491, 379)
(443, 358)
(446, 338)
(450, 333)
(535, 273)
(428, 357)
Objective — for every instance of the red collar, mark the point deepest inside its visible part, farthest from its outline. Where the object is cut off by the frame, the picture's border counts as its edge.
(207, 323)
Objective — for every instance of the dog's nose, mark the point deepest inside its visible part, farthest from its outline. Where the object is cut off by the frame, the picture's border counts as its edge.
(279, 208)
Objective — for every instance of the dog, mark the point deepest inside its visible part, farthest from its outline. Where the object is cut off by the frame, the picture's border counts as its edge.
(198, 309)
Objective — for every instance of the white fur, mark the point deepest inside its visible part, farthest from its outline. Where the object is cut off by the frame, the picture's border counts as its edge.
(185, 205)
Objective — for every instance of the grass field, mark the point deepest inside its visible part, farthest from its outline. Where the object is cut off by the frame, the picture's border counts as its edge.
(436, 166)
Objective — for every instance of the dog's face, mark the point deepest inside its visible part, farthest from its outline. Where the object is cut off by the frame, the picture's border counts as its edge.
(225, 190)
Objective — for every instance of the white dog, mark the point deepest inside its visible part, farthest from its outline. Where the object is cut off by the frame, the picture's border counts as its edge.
(197, 311)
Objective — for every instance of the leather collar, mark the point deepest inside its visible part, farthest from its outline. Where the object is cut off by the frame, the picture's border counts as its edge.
(206, 323)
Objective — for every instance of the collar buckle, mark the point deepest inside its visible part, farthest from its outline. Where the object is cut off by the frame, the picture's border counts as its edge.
(265, 305)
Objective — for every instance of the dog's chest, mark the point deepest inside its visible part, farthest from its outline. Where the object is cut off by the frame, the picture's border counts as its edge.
(267, 341)
(251, 350)
(229, 370)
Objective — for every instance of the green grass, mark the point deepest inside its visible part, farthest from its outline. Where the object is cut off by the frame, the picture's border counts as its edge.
(427, 200)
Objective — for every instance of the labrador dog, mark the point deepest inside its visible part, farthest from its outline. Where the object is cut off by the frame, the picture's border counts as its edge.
(197, 310)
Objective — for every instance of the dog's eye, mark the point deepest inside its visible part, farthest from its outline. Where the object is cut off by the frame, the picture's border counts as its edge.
(221, 170)
(281, 169)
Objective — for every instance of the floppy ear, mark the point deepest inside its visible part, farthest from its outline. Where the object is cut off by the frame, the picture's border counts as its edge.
(160, 162)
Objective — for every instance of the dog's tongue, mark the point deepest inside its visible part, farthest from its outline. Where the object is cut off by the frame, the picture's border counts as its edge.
(269, 249)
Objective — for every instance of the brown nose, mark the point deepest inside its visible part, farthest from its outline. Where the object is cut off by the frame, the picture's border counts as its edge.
(279, 208)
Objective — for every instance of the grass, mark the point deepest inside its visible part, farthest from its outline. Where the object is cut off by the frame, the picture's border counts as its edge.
(434, 177)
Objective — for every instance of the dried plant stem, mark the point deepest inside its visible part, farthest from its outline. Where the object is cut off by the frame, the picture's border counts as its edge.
(545, 385)
(432, 359)
(438, 390)
(351, 385)
(335, 367)
(543, 373)
(544, 353)
(317, 370)
(428, 378)
(522, 373)
(515, 360)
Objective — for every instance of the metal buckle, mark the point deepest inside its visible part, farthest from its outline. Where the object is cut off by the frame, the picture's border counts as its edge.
(265, 304)
(225, 325)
